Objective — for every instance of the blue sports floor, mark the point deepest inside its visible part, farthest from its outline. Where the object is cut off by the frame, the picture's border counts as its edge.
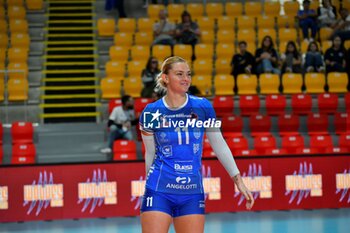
(303, 221)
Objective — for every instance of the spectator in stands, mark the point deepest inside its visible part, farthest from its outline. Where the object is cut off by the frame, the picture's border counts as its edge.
(163, 30)
(148, 76)
(119, 4)
(342, 26)
(120, 122)
(291, 59)
(266, 57)
(327, 14)
(187, 32)
(335, 57)
(313, 59)
(307, 20)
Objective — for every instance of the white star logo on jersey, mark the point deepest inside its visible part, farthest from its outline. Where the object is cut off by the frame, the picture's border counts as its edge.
(156, 115)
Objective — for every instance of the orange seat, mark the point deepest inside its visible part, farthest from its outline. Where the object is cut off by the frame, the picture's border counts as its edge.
(106, 27)
(145, 25)
(203, 83)
(214, 9)
(247, 35)
(205, 23)
(253, 8)
(203, 67)
(265, 21)
(226, 36)
(143, 38)
(225, 51)
(204, 51)
(14, 3)
(18, 89)
(224, 85)
(35, 5)
(123, 39)
(223, 66)
(272, 8)
(245, 22)
(115, 69)
(234, 8)
(16, 12)
(291, 8)
(135, 67)
(325, 33)
(195, 9)
(207, 37)
(285, 21)
(287, 34)
(292, 83)
(3, 26)
(111, 88)
(226, 23)
(22, 132)
(119, 53)
(4, 40)
(18, 70)
(20, 40)
(124, 150)
(161, 51)
(184, 51)
(2, 92)
(337, 82)
(18, 26)
(127, 25)
(133, 86)
(247, 84)
(269, 83)
(139, 52)
(315, 82)
(266, 32)
(175, 11)
(153, 10)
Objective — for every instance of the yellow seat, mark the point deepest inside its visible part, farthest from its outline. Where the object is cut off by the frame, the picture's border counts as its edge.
(337, 82)
(272, 8)
(292, 83)
(133, 86)
(115, 69)
(286, 34)
(123, 39)
(2, 89)
(16, 12)
(245, 22)
(203, 83)
(234, 9)
(224, 85)
(265, 21)
(269, 83)
(346, 4)
(3, 26)
(204, 51)
(253, 8)
(175, 11)
(35, 5)
(135, 68)
(203, 66)
(139, 52)
(226, 36)
(119, 53)
(4, 40)
(207, 37)
(266, 32)
(2, 71)
(247, 84)
(17, 55)
(223, 66)
(127, 25)
(106, 27)
(226, 23)
(2, 56)
(17, 70)
(17, 89)
(161, 52)
(286, 21)
(291, 8)
(206, 23)
(111, 88)
(145, 25)
(326, 45)
(247, 35)
(225, 51)
(195, 9)
(251, 47)
(153, 10)
(325, 33)
(184, 51)
(20, 40)
(143, 38)
(314, 5)
(347, 44)
(315, 82)
(18, 26)
(14, 2)
(2, 12)
(214, 9)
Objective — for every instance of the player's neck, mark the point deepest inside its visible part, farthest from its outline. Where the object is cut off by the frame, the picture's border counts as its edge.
(175, 100)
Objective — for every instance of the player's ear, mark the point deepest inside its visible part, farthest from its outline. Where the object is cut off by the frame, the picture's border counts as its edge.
(165, 78)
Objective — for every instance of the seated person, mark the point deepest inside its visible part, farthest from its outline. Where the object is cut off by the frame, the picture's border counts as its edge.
(335, 56)
(342, 27)
(291, 59)
(326, 14)
(187, 32)
(149, 76)
(266, 57)
(242, 62)
(307, 20)
(313, 59)
(163, 30)
(120, 121)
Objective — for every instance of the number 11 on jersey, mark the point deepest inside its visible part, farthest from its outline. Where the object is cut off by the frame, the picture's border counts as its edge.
(179, 135)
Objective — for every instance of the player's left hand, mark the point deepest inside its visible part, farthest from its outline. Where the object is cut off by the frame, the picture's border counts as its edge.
(244, 190)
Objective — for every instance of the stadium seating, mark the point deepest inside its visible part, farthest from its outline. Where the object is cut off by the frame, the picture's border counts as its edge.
(22, 132)
(145, 25)
(139, 52)
(115, 69)
(123, 39)
(184, 51)
(247, 84)
(317, 124)
(18, 89)
(153, 10)
(344, 140)
(223, 66)
(245, 22)
(207, 37)
(292, 143)
(321, 142)
(269, 83)
(315, 82)
(135, 67)
(288, 124)
(264, 143)
(341, 123)
(253, 8)
(206, 23)
(126, 25)
(237, 144)
(224, 85)
(301, 104)
(265, 21)
(327, 103)
(226, 23)
(196, 10)
(292, 83)
(23, 153)
(124, 150)
(203, 67)
(2, 89)
(223, 105)
(249, 104)
(275, 104)
(291, 7)
(272, 8)
(161, 51)
(260, 125)
(110, 88)
(204, 51)
(17, 70)
(232, 126)
(35, 4)
(144, 38)
(225, 51)
(337, 82)
(113, 103)
(203, 83)
(106, 27)
(175, 11)
(214, 9)
(18, 26)
(233, 8)
(207, 149)
(225, 36)
(140, 104)
(133, 86)
(119, 53)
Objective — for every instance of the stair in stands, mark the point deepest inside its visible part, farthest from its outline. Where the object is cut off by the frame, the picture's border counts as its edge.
(70, 93)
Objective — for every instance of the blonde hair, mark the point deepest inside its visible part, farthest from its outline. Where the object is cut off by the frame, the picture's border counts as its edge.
(166, 66)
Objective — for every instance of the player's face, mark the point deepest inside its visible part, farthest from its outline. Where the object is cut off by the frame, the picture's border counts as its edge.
(179, 78)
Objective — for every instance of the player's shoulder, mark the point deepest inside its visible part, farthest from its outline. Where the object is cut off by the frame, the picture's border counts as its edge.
(200, 101)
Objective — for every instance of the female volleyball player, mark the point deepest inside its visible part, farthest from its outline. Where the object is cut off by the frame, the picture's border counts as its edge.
(172, 131)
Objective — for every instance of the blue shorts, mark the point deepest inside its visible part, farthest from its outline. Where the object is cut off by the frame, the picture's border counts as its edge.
(175, 205)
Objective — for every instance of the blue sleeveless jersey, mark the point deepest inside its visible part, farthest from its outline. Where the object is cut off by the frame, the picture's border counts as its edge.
(178, 135)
